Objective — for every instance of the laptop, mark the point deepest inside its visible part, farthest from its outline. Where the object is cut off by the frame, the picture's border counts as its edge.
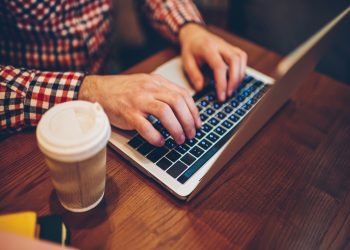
(185, 169)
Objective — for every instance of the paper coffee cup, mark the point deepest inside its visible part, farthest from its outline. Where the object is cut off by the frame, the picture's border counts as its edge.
(73, 137)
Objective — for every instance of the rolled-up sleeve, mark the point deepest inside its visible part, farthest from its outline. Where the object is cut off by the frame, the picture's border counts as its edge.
(168, 16)
(25, 95)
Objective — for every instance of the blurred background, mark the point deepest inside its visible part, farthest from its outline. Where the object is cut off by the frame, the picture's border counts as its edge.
(279, 25)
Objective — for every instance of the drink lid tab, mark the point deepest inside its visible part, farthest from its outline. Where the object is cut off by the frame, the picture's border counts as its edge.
(73, 131)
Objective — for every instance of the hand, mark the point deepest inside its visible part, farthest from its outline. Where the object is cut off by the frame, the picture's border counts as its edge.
(129, 99)
(198, 46)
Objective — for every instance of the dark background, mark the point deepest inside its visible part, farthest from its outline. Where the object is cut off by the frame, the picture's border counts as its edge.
(279, 25)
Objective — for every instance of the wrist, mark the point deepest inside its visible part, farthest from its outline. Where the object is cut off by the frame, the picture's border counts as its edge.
(188, 30)
(87, 87)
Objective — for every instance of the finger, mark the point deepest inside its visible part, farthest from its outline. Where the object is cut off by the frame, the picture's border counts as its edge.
(166, 116)
(219, 67)
(181, 110)
(193, 108)
(192, 70)
(146, 130)
(234, 77)
(188, 99)
(244, 62)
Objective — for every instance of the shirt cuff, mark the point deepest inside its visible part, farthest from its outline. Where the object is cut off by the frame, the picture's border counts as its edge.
(170, 16)
(47, 89)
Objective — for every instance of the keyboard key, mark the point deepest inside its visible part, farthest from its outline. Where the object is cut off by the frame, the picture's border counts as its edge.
(136, 141)
(212, 137)
(156, 154)
(206, 127)
(258, 95)
(234, 118)
(246, 93)
(258, 83)
(210, 97)
(251, 101)
(210, 111)
(158, 126)
(173, 156)
(246, 106)
(190, 142)
(252, 88)
(213, 121)
(234, 103)
(220, 130)
(182, 148)
(164, 163)
(240, 112)
(204, 103)
(240, 98)
(188, 159)
(196, 151)
(165, 133)
(204, 144)
(199, 134)
(220, 115)
(199, 108)
(146, 148)
(247, 79)
(170, 143)
(227, 124)
(216, 105)
(203, 117)
(188, 173)
(176, 169)
(228, 109)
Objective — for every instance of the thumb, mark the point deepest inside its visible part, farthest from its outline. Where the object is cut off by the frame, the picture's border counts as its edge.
(193, 72)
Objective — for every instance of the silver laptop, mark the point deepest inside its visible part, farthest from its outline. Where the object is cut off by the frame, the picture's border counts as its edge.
(185, 169)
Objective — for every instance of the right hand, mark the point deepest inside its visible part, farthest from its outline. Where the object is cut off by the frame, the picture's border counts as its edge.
(129, 99)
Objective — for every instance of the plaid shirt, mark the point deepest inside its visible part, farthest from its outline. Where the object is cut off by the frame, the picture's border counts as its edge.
(46, 45)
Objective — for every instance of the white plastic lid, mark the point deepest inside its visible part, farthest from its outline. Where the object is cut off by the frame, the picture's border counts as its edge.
(73, 131)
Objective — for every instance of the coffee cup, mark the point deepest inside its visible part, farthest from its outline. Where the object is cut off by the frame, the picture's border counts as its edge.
(73, 137)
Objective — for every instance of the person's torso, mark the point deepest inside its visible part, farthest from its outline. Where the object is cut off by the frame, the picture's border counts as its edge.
(59, 35)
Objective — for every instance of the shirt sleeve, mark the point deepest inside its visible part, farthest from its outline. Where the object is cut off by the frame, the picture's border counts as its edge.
(168, 16)
(25, 95)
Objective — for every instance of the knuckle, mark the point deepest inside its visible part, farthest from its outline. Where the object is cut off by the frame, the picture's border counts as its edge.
(184, 93)
(209, 46)
(144, 77)
(156, 77)
(142, 127)
(221, 66)
(178, 100)
(163, 111)
(241, 53)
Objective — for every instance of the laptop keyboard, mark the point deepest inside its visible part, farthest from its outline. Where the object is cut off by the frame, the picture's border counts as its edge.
(219, 121)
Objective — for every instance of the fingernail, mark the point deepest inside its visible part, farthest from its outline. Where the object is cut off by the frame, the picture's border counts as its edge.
(161, 142)
(182, 139)
(199, 122)
(222, 96)
(230, 92)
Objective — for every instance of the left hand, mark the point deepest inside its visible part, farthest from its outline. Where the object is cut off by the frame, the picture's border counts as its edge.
(199, 46)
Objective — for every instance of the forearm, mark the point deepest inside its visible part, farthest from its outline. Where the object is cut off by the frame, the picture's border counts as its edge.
(169, 16)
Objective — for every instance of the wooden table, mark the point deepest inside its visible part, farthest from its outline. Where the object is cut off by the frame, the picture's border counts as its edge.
(288, 188)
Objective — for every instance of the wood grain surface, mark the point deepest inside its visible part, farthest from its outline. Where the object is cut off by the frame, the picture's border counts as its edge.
(288, 188)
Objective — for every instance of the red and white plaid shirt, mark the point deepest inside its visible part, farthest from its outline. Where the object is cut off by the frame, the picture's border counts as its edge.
(45, 46)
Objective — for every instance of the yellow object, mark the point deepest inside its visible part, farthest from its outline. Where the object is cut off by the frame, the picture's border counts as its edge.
(23, 224)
